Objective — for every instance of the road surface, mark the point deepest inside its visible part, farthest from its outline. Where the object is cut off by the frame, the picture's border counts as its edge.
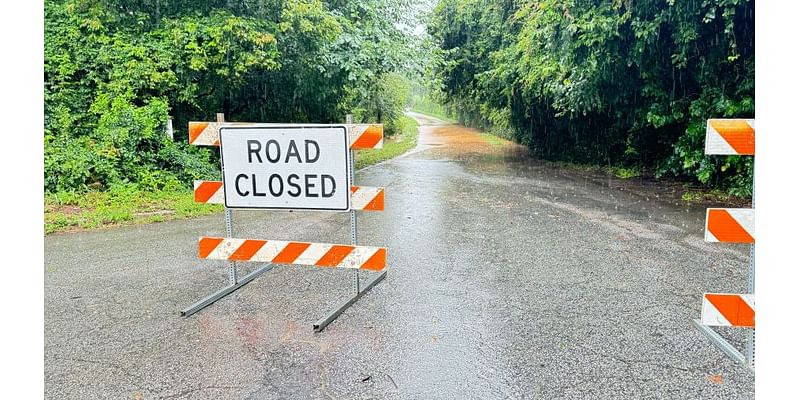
(508, 279)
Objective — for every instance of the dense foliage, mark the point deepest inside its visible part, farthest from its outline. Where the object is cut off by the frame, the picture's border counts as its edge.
(116, 69)
(605, 82)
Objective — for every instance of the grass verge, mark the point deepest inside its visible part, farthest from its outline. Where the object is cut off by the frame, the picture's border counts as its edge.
(128, 205)
(392, 147)
(687, 192)
(423, 105)
(619, 172)
(703, 196)
(66, 212)
(492, 139)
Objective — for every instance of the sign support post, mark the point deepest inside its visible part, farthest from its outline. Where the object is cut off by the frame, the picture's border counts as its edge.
(210, 299)
(331, 315)
(353, 217)
(751, 281)
(233, 280)
(228, 222)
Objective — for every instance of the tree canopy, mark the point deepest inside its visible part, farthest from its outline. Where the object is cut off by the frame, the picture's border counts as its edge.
(115, 70)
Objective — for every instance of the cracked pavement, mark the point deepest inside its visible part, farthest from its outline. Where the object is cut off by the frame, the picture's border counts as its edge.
(508, 278)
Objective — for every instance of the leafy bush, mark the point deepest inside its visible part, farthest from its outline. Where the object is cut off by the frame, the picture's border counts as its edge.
(115, 70)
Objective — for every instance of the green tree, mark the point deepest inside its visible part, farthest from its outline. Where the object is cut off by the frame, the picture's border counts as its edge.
(614, 83)
(115, 70)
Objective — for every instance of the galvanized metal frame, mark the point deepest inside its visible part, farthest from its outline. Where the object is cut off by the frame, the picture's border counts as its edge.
(327, 319)
(235, 283)
(233, 279)
(229, 231)
(210, 299)
(751, 282)
(357, 291)
(749, 358)
(720, 342)
(228, 222)
(353, 217)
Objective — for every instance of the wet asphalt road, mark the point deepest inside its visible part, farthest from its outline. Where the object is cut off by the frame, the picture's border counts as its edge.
(507, 279)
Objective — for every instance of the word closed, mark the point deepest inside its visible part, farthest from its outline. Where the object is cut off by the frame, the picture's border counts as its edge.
(286, 167)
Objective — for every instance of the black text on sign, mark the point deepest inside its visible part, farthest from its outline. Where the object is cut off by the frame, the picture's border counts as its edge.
(286, 167)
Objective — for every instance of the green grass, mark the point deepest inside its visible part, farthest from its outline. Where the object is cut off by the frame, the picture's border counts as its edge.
(120, 206)
(393, 146)
(423, 105)
(127, 205)
(624, 173)
(702, 196)
(619, 172)
(492, 139)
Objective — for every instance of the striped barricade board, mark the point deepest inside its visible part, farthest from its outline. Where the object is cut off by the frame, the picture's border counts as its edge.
(726, 309)
(362, 198)
(731, 137)
(300, 253)
(361, 136)
(730, 225)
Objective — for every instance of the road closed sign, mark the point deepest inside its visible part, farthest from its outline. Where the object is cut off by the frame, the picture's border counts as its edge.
(298, 167)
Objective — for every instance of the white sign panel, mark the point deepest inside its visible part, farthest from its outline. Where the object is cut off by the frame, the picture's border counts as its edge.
(298, 167)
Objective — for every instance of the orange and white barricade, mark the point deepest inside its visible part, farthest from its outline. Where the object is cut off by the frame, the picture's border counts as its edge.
(362, 198)
(298, 253)
(731, 137)
(232, 250)
(726, 309)
(731, 225)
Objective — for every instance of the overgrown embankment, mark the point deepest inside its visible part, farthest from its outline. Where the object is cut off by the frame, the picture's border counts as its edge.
(621, 84)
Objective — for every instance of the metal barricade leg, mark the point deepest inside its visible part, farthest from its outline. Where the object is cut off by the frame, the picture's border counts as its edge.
(233, 279)
(324, 321)
(357, 291)
(210, 299)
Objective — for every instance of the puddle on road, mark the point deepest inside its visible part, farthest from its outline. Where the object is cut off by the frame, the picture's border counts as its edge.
(638, 241)
(500, 169)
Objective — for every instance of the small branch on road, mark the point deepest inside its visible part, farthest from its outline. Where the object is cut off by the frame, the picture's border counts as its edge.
(393, 383)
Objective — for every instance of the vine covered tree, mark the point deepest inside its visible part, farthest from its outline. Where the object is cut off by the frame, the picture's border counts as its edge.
(605, 82)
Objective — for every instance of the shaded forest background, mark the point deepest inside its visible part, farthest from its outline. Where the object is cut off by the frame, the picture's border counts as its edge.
(615, 83)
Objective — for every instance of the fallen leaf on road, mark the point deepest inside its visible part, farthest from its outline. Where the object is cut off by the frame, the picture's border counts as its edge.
(715, 378)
